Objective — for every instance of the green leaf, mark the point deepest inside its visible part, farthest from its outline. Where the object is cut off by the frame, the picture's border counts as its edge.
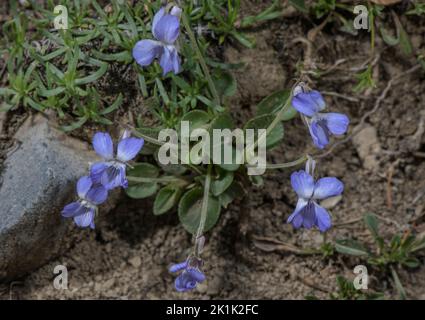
(149, 148)
(272, 12)
(7, 91)
(196, 119)
(51, 92)
(142, 85)
(223, 182)
(235, 191)
(4, 107)
(75, 125)
(405, 43)
(104, 121)
(262, 122)
(162, 91)
(137, 190)
(408, 242)
(190, 210)
(411, 262)
(93, 77)
(223, 121)
(34, 104)
(257, 181)
(224, 82)
(54, 54)
(398, 285)
(348, 27)
(365, 80)
(123, 56)
(55, 71)
(395, 242)
(143, 170)
(388, 39)
(209, 103)
(244, 40)
(166, 199)
(299, 4)
(181, 83)
(350, 247)
(173, 169)
(419, 9)
(114, 106)
(371, 222)
(418, 245)
(29, 71)
(274, 102)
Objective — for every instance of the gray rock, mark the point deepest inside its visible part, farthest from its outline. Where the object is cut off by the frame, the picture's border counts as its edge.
(38, 179)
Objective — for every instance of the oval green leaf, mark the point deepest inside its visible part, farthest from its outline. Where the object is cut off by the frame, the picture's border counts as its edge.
(166, 199)
(190, 210)
(196, 119)
(141, 190)
(262, 122)
(274, 102)
(221, 184)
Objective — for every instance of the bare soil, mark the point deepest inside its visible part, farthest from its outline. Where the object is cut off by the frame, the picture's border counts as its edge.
(128, 254)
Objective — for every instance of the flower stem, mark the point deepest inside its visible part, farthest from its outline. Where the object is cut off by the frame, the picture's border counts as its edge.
(277, 118)
(271, 126)
(286, 165)
(204, 66)
(372, 29)
(145, 136)
(204, 208)
(165, 179)
(159, 143)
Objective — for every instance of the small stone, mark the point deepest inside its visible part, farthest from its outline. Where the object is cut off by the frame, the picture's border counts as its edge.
(202, 287)
(108, 284)
(416, 41)
(214, 286)
(368, 147)
(135, 262)
(98, 287)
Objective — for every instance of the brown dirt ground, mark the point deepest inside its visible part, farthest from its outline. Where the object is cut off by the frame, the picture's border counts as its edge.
(127, 256)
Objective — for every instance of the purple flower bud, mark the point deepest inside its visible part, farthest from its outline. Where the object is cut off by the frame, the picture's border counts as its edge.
(321, 125)
(176, 11)
(190, 277)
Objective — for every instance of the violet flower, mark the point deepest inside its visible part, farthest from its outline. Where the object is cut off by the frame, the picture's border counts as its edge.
(111, 172)
(83, 211)
(307, 212)
(189, 278)
(321, 125)
(165, 29)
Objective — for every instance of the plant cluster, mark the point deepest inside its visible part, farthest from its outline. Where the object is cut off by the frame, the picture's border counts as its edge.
(168, 48)
(201, 190)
